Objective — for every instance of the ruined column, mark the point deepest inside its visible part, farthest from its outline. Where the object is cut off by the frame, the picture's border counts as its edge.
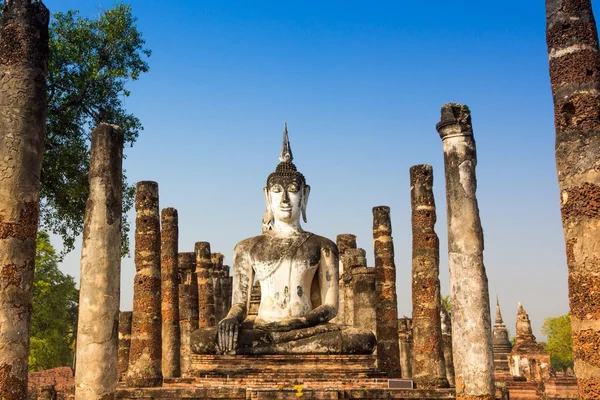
(429, 371)
(388, 352)
(124, 342)
(187, 303)
(171, 338)
(145, 351)
(572, 39)
(471, 343)
(217, 277)
(447, 345)
(100, 282)
(405, 340)
(361, 291)
(206, 306)
(344, 241)
(23, 64)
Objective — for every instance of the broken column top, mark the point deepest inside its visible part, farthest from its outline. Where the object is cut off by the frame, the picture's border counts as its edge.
(457, 116)
(345, 241)
(146, 194)
(353, 258)
(169, 212)
(381, 218)
(217, 260)
(186, 260)
(203, 251)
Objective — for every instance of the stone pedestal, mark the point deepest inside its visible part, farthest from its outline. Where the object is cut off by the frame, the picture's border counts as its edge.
(145, 352)
(124, 342)
(472, 343)
(206, 305)
(100, 282)
(572, 38)
(171, 337)
(388, 353)
(429, 370)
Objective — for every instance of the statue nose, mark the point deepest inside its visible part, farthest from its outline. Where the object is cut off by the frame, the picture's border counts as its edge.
(285, 197)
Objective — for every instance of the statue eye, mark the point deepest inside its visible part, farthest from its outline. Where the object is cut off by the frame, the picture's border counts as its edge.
(276, 188)
(292, 188)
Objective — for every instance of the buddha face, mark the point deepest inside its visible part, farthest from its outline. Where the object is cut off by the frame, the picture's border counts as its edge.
(285, 199)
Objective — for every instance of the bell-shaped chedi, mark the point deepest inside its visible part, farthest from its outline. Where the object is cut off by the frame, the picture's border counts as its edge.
(528, 358)
(501, 343)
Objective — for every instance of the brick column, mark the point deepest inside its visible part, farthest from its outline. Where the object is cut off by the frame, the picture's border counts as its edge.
(217, 277)
(388, 353)
(23, 67)
(429, 369)
(472, 343)
(171, 338)
(187, 303)
(572, 38)
(206, 306)
(344, 241)
(362, 292)
(405, 338)
(145, 351)
(447, 345)
(124, 342)
(100, 282)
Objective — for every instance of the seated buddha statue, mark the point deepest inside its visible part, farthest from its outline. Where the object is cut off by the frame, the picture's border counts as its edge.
(298, 276)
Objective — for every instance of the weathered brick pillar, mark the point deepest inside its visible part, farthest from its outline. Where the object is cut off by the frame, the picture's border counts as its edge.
(171, 338)
(206, 306)
(447, 344)
(145, 351)
(228, 290)
(124, 342)
(472, 343)
(100, 282)
(362, 293)
(187, 303)
(217, 277)
(344, 241)
(388, 353)
(405, 339)
(429, 371)
(572, 39)
(23, 64)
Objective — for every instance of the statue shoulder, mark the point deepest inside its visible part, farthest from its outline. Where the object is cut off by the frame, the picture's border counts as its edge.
(325, 244)
(246, 245)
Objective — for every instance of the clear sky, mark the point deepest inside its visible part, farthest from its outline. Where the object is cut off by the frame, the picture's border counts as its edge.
(360, 84)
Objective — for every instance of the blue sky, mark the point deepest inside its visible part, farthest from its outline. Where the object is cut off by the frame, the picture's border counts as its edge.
(361, 85)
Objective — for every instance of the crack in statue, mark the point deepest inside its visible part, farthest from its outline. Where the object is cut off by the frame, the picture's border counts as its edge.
(298, 276)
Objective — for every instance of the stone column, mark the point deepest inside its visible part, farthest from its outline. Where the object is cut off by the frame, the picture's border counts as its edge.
(228, 292)
(23, 64)
(100, 282)
(388, 352)
(429, 371)
(171, 338)
(145, 351)
(187, 323)
(360, 292)
(206, 306)
(572, 39)
(344, 241)
(472, 343)
(124, 342)
(217, 277)
(447, 345)
(405, 339)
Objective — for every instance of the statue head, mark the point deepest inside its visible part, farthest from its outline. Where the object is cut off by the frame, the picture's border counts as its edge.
(286, 193)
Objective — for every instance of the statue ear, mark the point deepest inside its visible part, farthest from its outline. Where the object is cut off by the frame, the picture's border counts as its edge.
(267, 221)
(305, 194)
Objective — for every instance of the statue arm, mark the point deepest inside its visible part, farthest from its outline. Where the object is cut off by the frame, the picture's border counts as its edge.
(328, 275)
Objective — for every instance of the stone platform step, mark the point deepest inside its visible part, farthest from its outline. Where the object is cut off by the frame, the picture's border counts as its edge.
(327, 366)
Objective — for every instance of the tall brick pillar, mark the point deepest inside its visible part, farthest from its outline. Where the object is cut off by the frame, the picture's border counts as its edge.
(217, 278)
(572, 39)
(145, 351)
(429, 369)
(100, 282)
(405, 338)
(388, 353)
(124, 342)
(206, 305)
(471, 343)
(23, 67)
(188, 305)
(344, 241)
(171, 339)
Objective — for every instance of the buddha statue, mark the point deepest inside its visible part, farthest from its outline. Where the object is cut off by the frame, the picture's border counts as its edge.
(298, 276)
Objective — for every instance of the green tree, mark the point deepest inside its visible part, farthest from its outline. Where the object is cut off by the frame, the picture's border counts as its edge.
(91, 62)
(54, 318)
(445, 303)
(560, 341)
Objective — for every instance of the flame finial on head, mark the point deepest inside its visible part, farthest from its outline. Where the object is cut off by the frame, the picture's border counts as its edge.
(286, 150)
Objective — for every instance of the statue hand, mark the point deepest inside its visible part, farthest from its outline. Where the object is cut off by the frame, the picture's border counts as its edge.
(227, 333)
(285, 325)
